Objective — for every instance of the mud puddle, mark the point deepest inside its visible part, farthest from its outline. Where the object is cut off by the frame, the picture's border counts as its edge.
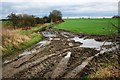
(92, 43)
(48, 34)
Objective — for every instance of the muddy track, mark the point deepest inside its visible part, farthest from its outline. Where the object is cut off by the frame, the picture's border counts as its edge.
(55, 57)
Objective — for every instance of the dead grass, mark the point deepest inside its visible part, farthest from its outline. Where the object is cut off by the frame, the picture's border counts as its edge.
(109, 71)
(12, 38)
(105, 66)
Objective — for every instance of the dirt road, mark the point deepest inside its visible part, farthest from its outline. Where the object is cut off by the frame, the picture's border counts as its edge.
(61, 54)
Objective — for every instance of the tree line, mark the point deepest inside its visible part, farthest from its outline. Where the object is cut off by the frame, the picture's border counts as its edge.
(26, 20)
(116, 16)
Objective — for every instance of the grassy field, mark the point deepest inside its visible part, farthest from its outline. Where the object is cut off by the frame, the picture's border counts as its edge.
(89, 26)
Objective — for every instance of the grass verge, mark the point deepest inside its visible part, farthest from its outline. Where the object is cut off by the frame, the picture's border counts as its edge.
(17, 40)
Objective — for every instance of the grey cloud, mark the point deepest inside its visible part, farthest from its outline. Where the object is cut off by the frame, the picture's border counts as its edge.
(79, 9)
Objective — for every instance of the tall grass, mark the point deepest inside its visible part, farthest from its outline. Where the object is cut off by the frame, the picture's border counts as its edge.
(11, 40)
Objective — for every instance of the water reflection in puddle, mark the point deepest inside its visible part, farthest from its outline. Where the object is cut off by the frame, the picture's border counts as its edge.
(48, 34)
(92, 43)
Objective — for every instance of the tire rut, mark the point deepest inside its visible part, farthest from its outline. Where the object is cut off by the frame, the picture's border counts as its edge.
(50, 61)
(41, 68)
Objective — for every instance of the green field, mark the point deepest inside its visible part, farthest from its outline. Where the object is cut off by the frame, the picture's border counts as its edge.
(89, 26)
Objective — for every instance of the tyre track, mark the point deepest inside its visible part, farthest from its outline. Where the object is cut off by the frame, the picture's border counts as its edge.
(50, 60)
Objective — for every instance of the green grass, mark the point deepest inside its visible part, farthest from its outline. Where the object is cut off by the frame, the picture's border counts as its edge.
(89, 26)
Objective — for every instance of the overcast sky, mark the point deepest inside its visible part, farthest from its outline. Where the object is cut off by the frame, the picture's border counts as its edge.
(69, 8)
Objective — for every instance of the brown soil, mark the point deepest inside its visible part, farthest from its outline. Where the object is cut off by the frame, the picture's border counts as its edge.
(44, 61)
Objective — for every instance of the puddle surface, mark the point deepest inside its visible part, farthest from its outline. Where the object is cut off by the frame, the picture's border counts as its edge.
(48, 34)
(66, 34)
(92, 43)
